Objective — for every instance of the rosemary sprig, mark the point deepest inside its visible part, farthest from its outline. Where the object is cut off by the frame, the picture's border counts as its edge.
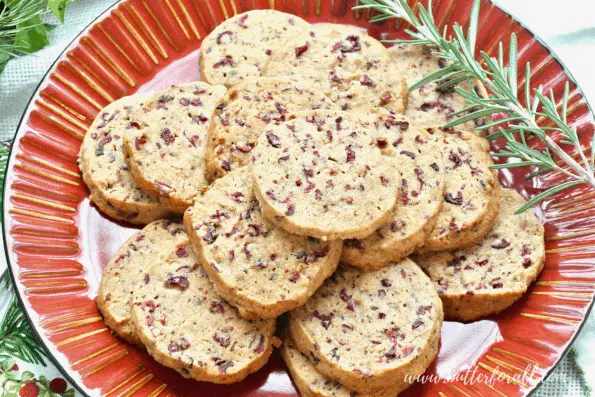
(500, 79)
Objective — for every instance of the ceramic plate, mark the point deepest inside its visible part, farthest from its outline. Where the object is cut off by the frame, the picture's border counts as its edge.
(57, 242)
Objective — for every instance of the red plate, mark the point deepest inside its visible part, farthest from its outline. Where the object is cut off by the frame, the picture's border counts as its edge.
(57, 242)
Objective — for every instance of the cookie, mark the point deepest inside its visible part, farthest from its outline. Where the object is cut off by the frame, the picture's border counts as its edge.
(104, 166)
(421, 194)
(241, 46)
(471, 192)
(346, 64)
(312, 383)
(124, 270)
(167, 142)
(186, 326)
(255, 265)
(430, 105)
(369, 330)
(492, 274)
(244, 112)
(317, 174)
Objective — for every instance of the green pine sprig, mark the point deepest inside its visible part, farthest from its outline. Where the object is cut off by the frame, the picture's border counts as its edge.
(21, 29)
(499, 75)
(17, 339)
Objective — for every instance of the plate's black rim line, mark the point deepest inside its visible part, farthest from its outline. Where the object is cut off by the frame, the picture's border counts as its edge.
(10, 161)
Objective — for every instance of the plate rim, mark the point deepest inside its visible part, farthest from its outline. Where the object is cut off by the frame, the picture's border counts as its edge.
(12, 155)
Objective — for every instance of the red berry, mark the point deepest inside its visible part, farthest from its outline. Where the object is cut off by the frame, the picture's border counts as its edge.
(29, 390)
(15, 367)
(58, 386)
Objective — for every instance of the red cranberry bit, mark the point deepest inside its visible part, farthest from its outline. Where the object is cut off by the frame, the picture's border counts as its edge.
(184, 101)
(225, 165)
(216, 307)
(416, 324)
(381, 316)
(408, 154)
(501, 244)
(273, 140)
(147, 278)
(238, 197)
(423, 309)
(481, 263)
(384, 180)
(458, 200)
(407, 351)
(242, 21)
(280, 108)
(497, 285)
(138, 142)
(167, 136)
(102, 142)
(335, 354)
(350, 154)
(325, 319)
(177, 281)
(165, 98)
(268, 52)
(386, 282)
(260, 347)
(526, 250)
(353, 45)
(227, 61)
(456, 160)
(299, 51)
(294, 277)
(338, 122)
(223, 340)
(182, 251)
(367, 81)
(224, 365)
(344, 296)
(435, 167)
(201, 119)
(386, 99)
(527, 262)
(183, 344)
(211, 234)
(221, 35)
(290, 209)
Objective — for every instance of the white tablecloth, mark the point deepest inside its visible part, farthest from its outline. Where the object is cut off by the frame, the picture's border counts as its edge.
(569, 30)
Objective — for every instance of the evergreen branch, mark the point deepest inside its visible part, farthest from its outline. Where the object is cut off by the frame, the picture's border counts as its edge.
(17, 339)
(500, 79)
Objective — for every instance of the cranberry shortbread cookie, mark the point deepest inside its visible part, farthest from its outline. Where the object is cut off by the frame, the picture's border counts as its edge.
(430, 105)
(254, 264)
(168, 141)
(492, 274)
(124, 271)
(243, 113)
(186, 326)
(241, 46)
(104, 166)
(317, 174)
(471, 193)
(346, 64)
(369, 330)
(421, 195)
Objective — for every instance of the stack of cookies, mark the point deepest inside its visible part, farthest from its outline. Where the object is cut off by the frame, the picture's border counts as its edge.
(310, 183)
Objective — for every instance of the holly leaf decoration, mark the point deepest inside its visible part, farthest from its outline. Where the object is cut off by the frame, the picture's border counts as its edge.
(58, 7)
(32, 36)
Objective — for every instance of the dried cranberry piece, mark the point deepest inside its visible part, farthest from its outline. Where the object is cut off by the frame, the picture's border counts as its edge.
(225, 165)
(177, 281)
(147, 278)
(216, 307)
(501, 244)
(211, 234)
(299, 51)
(416, 324)
(200, 119)
(458, 200)
(355, 45)
(273, 140)
(167, 136)
(223, 340)
(223, 34)
(423, 309)
(242, 21)
(280, 108)
(260, 347)
(165, 98)
(224, 365)
(455, 159)
(290, 209)
(386, 282)
(350, 154)
(294, 277)
(381, 142)
(435, 167)
(527, 262)
(183, 344)
(227, 61)
(138, 142)
(101, 144)
(367, 81)
(408, 154)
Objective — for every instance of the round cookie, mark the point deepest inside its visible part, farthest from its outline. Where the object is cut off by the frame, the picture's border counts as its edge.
(346, 64)
(168, 141)
(430, 105)
(421, 195)
(104, 166)
(492, 274)
(317, 174)
(312, 383)
(370, 330)
(186, 326)
(255, 265)
(124, 270)
(471, 192)
(240, 47)
(244, 112)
